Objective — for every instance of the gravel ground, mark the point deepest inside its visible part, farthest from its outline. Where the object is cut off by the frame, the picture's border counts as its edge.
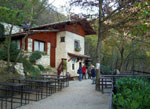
(79, 95)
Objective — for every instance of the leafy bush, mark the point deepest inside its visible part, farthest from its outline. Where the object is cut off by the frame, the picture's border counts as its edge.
(105, 69)
(2, 30)
(132, 93)
(28, 67)
(35, 72)
(48, 68)
(35, 56)
(13, 51)
(4, 75)
(65, 65)
(78, 49)
(41, 67)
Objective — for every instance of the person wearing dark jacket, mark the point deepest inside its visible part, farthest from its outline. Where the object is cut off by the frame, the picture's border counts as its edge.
(93, 74)
(80, 72)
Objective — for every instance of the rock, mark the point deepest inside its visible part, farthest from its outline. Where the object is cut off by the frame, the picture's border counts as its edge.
(20, 69)
(3, 64)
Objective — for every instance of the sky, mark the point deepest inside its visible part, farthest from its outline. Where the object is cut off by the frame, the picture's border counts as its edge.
(60, 3)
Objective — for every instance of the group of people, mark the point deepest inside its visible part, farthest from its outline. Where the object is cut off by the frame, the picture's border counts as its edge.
(82, 71)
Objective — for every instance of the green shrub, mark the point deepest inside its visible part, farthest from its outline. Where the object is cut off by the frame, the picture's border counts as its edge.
(28, 67)
(4, 75)
(78, 49)
(35, 56)
(35, 72)
(105, 69)
(13, 51)
(65, 65)
(132, 93)
(2, 30)
(43, 53)
(48, 68)
(41, 67)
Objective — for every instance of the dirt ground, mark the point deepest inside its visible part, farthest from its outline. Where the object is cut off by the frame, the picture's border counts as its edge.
(79, 95)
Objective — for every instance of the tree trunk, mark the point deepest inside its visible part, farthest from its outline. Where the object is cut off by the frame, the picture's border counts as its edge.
(99, 44)
(127, 63)
(23, 46)
(21, 49)
(8, 48)
(121, 56)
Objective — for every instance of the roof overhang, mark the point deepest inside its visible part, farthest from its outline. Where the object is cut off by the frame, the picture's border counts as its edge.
(22, 34)
(84, 24)
(73, 55)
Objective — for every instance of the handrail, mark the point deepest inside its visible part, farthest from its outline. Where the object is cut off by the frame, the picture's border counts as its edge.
(60, 68)
(52, 75)
(111, 97)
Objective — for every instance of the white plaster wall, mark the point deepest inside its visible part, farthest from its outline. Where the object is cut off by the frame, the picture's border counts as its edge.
(63, 48)
(70, 38)
(30, 45)
(60, 48)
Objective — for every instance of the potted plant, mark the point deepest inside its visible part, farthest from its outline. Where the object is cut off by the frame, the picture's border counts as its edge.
(78, 49)
(64, 68)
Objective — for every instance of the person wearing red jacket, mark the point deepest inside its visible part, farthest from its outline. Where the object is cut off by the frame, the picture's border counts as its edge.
(84, 72)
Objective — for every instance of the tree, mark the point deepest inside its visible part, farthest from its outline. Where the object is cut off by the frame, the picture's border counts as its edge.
(17, 12)
(13, 17)
(105, 12)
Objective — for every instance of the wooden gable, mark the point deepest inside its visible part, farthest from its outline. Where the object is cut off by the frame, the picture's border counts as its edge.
(75, 28)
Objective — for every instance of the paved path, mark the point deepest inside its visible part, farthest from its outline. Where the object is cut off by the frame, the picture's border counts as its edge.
(79, 95)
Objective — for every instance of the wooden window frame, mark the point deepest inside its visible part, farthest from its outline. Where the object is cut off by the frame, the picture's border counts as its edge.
(62, 39)
(39, 45)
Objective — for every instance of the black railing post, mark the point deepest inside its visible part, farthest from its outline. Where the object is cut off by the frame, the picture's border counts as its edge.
(133, 56)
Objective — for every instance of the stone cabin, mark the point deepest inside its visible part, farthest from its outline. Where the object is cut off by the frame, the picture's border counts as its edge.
(62, 41)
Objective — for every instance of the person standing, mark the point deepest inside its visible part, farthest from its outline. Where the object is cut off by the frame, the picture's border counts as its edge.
(89, 72)
(80, 72)
(84, 72)
(93, 74)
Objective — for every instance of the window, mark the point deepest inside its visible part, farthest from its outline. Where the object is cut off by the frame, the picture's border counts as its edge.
(38, 46)
(72, 66)
(77, 45)
(62, 39)
(17, 42)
